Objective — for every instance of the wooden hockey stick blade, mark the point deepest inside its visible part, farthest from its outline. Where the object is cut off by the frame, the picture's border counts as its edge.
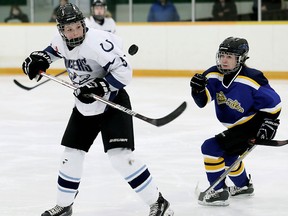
(276, 143)
(30, 88)
(166, 119)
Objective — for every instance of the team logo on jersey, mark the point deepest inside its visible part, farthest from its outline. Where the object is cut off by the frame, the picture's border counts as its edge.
(107, 48)
(78, 64)
(78, 79)
(221, 98)
(233, 104)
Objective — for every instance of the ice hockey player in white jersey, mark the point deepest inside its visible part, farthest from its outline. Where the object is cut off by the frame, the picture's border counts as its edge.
(100, 17)
(96, 64)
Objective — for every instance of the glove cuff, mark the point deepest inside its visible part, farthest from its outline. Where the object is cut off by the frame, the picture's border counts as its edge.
(104, 84)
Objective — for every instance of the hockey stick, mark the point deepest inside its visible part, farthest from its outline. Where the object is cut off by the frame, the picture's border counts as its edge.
(276, 143)
(39, 84)
(217, 181)
(157, 122)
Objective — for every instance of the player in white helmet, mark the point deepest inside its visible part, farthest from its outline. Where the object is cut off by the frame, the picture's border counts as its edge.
(100, 17)
(96, 64)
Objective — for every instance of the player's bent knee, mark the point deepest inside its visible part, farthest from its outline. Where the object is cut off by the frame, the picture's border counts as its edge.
(118, 156)
(71, 152)
(210, 146)
(123, 158)
(206, 146)
(72, 161)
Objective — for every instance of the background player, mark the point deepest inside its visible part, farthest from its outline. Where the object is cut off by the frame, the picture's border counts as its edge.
(100, 17)
(246, 104)
(96, 64)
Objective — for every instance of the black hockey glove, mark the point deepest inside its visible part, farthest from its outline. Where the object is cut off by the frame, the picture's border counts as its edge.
(98, 86)
(36, 62)
(198, 83)
(268, 129)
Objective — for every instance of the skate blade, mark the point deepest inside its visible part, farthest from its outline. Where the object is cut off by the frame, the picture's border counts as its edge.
(216, 203)
(243, 196)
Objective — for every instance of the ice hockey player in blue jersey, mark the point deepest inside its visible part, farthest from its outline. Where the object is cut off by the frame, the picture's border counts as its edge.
(96, 64)
(246, 105)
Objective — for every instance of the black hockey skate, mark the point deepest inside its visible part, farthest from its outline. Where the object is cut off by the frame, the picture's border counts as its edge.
(247, 190)
(215, 198)
(161, 207)
(59, 211)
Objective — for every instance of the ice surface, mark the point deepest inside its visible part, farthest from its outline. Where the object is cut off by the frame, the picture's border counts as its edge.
(31, 127)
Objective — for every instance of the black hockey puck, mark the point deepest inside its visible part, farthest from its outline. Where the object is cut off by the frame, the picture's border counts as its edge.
(133, 49)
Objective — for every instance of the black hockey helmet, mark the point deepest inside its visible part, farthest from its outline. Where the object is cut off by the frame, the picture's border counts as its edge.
(67, 14)
(233, 45)
(99, 3)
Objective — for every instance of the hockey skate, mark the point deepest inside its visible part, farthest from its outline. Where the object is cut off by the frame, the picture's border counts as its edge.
(161, 207)
(59, 211)
(215, 198)
(247, 190)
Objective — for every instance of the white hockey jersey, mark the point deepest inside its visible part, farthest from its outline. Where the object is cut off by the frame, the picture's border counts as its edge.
(108, 24)
(100, 55)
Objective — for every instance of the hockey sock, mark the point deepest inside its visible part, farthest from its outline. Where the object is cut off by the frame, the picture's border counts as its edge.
(70, 173)
(214, 167)
(135, 173)
(239, 176)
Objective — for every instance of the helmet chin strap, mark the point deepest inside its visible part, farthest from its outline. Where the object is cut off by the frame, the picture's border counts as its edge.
(230, 77)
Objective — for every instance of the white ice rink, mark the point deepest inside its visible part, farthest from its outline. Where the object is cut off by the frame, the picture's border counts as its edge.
(32, 123)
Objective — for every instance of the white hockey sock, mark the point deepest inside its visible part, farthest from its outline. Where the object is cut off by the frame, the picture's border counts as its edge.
(70, 173)
(135, 173)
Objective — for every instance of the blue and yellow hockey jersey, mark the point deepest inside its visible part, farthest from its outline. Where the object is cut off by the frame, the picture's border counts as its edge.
(238, 100)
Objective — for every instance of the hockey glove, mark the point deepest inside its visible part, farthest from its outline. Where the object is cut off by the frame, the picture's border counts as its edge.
(198, 83)
(36, 62)
(98, 86)
(268, 129)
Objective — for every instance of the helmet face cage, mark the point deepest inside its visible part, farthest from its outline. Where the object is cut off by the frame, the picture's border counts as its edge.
(66, 15)
(227, 71)
(233, 46)
(99, 3)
